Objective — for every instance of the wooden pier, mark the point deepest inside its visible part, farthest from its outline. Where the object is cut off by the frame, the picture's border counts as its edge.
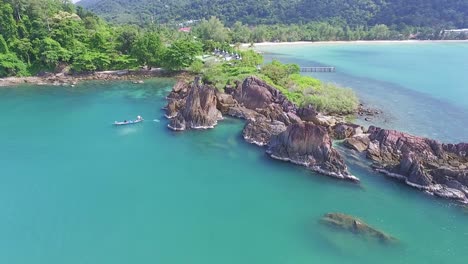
(318, 69)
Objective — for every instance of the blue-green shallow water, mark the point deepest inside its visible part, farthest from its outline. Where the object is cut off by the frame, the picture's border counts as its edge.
(75, 189)
(421, 87)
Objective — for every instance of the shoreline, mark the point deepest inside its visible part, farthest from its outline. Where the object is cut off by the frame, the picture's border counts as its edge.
(354, 42)
(61, 79)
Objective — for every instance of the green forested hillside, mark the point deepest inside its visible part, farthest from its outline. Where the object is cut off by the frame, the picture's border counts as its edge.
(428, 13)
(54, 35)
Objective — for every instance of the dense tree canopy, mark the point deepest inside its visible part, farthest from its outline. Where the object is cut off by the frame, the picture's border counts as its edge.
(415, 13)
(55, 35)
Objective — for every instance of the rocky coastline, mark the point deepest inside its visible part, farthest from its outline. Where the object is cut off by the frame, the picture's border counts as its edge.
(64, 79)
(303, 136)
(426, 164)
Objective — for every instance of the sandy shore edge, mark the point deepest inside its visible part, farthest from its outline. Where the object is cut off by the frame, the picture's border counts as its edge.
(263, 44)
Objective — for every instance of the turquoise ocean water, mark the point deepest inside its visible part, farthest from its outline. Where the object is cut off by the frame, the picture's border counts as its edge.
(75, 189)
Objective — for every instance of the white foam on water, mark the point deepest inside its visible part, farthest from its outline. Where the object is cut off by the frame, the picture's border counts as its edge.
(127, 130)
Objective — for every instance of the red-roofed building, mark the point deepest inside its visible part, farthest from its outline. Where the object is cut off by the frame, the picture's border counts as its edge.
(185, 29)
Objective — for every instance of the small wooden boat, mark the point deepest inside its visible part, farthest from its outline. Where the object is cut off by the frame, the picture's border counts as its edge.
(129, 122)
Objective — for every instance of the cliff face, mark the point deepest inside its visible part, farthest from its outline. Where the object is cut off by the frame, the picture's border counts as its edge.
(309, 145)
(441, 169)
(196, 110)
(254, 93)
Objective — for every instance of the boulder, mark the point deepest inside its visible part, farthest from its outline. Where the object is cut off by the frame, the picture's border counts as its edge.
(225, 101)
(293, 118)
(326, 121)
(309, 145)
(358, 142)
(243, 113)
(346, 130)
(307, 113)
(260, 131)
(274, 112)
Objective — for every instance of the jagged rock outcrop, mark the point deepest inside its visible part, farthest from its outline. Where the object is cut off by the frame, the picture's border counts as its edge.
(198, 110)
(303, 136)
(440, 169)
(179, 90)
(355, 225)
(254, 93)
(260, 131)
(271, 120)
(309, 145)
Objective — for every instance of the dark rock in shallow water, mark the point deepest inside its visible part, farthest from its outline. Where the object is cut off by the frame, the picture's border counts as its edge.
(197, 110)
(356, 226)
(309, 145)
(260, 131)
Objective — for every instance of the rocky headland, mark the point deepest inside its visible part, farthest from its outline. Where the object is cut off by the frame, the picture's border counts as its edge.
(298, 135)
(303, 136)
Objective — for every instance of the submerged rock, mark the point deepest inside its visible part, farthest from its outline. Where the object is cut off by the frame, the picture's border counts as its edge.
(309, 145)
(356, 226)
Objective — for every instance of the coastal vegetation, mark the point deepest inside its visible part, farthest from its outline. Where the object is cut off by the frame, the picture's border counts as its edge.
(299, 89)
